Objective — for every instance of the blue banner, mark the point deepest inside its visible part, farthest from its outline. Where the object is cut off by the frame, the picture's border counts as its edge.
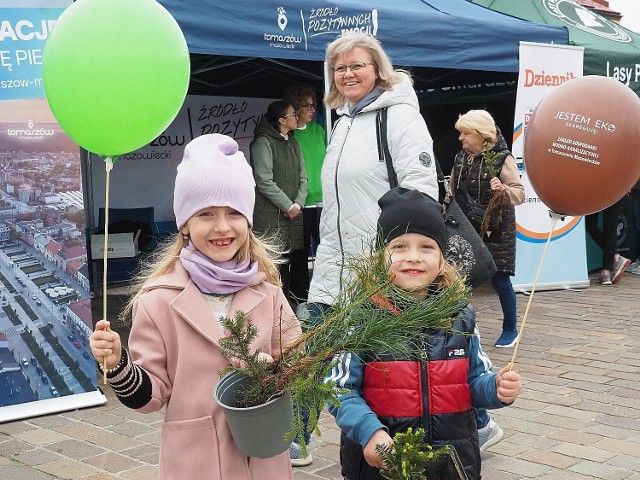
(431, 33)
(23, 33)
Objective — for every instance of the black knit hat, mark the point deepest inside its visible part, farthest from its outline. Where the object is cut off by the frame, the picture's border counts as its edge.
(410, 211)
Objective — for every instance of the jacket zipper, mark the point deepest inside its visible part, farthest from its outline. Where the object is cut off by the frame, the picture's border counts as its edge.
(425, 397)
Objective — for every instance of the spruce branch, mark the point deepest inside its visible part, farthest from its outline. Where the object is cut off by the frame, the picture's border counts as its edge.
(409, 456)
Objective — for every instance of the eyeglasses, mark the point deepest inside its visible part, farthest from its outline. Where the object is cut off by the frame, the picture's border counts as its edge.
(290, 115)
(354, 67)
(309, 106)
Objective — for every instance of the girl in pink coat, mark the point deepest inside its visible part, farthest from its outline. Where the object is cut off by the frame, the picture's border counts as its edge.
(213, 268)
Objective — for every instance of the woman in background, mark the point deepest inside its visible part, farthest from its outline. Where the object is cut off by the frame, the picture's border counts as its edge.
(312, 139)
(474, 180)
(281, 190)
(613, 264)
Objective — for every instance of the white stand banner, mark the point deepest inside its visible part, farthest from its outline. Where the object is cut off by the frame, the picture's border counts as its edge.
(542, 68)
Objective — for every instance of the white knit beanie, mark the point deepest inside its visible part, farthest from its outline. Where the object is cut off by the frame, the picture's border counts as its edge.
(213, 173)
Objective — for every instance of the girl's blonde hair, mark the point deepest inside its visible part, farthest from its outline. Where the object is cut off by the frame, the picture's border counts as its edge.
(387, 76)
(479, 121)
(164, 258)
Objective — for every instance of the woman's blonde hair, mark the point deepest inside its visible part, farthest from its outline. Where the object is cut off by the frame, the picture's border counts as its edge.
(481, 122)
(164, 258)
(387, 76)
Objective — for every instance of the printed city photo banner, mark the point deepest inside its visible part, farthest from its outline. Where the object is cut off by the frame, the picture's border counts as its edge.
(45, 310)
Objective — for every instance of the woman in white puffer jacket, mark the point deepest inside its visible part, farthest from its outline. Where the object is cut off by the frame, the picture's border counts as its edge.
(353, 176)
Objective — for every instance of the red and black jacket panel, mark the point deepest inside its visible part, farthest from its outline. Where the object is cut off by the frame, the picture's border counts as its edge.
(431, 392)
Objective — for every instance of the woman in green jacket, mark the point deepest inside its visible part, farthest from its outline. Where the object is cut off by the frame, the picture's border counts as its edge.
(312, 139)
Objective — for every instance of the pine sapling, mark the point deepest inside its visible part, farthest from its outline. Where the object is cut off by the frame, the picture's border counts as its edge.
(409, 457)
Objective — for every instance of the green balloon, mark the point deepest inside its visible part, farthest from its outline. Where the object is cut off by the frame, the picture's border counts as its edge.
(115, 73)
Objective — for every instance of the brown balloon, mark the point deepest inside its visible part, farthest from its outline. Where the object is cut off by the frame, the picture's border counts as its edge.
(582, 145)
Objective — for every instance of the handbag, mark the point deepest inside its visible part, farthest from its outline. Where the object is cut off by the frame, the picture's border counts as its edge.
(464, 248)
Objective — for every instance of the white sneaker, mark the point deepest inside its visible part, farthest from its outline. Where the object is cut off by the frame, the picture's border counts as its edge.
(489, 435)
(297, 459)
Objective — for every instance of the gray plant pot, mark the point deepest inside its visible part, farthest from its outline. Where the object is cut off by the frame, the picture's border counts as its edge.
(258, 431)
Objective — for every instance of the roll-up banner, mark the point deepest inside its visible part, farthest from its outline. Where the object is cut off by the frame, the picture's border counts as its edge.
(45, 310)
(543, 67)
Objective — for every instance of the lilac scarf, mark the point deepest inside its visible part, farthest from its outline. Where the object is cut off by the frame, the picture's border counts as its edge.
(217, 277)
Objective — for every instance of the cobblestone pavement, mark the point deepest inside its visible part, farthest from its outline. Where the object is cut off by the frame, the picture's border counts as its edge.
(578, 416)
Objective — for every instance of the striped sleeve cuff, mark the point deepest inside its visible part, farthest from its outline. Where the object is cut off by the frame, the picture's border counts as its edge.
(130, 383)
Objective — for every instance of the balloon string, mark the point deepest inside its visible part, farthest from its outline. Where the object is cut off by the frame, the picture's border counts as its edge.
(108, 167)
(554, 220)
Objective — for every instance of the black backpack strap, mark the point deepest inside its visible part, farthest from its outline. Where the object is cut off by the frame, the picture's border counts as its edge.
(385, 155)
(383, 146)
